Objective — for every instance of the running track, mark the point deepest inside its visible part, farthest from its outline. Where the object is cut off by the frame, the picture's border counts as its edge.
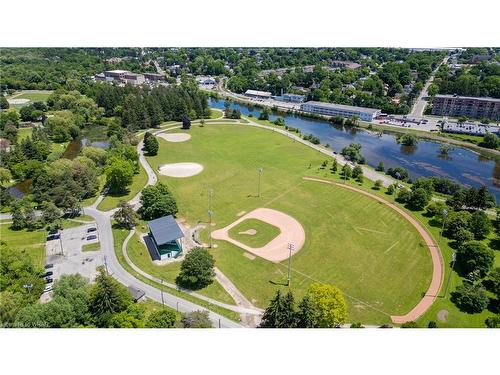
(437, 261)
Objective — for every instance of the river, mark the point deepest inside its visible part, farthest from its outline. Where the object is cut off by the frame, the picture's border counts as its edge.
(461, 164)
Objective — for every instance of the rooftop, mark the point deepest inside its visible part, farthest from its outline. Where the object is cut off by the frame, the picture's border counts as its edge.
(118, 71)
(259, 93)
(486, 98)
(344, 107)
(165, 229)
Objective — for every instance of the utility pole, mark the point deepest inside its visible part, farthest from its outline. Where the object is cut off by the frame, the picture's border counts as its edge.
(290, 247)
(161, 291)
(445, 215)
(453, 260)
(260, 173)
(210, 214)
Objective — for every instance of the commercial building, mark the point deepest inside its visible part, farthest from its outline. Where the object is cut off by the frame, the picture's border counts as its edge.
(472, 107)
(293, 98)
(470, 128)
(154, 77)
(331, 109)
(164, 239)
(258, 94)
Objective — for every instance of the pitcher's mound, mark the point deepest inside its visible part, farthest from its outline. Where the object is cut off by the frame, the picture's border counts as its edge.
(175, 137)
(180, 169)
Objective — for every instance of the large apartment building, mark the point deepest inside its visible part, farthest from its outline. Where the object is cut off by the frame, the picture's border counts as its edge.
(331, 109)
(472, 107)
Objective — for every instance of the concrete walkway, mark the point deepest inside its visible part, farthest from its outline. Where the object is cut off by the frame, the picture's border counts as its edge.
(437, 260)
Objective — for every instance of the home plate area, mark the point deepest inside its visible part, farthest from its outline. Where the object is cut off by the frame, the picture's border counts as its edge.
(277, 249)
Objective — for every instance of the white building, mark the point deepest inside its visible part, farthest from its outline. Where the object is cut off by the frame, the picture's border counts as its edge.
(206, 81)
(294, 98)
(470, 128)
(331, 109)
(258, 94)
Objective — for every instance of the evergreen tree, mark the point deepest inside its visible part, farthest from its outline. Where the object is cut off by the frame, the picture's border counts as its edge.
(306, 314)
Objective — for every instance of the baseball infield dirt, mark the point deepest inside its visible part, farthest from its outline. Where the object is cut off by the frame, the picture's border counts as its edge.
(275, 250)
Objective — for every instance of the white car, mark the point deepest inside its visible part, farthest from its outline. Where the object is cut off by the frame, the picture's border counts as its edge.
(47, 288)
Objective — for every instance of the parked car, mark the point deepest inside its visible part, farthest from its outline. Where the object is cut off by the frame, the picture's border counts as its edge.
(48, 280)
(53, 237)
(52, 232)
(47, 288)
(93, 237)
(49, 265)
(90, 230)
(49, 273)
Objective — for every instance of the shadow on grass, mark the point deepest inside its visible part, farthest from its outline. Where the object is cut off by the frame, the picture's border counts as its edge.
(278, 283)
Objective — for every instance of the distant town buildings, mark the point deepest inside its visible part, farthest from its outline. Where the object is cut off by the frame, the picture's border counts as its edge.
(331, 109)
(258, 94)
(293, 98)
(472, 107)
(470, 128)
(127, 77)
(206, 81)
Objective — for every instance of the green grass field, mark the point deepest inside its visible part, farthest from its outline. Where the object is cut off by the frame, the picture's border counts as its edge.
(24, 133)
(111, 201)
(30, 242)
(139, 255)
(264, 232)
(352, 241)
(35, 95)
(96, 246)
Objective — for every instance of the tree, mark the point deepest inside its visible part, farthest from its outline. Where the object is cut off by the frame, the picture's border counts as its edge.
(161, 319)
(377, 185)
(493, 281)
(157, 201)
(357, 171)
(346, 171)
(403, 195)
(391, 189)
(432, 324)
(10, 304)
(353, 153)
(456, 221)
(5, 176)
(480, 225)
(408, 140)
(418, 199)
(50, 213)
(125, 319)
(329, 304)
(306, 314)
(280, 312)
(470, 298)
(380, 167)
(436, 209)
(197, 269)
(96, 154)
(196, 319)
(493, 321)
(475, 255)
(491, 140)
(264, 114)
(151, 144)
(74, 289)
(4, 104)
(356, 325)
(409, 325)
(125, 215)
(107, 297)
(186, 122)
(119, 174)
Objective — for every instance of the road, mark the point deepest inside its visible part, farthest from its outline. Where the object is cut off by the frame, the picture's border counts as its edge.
(419, 106)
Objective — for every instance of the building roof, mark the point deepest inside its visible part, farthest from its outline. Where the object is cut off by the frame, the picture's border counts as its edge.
(118, 71)
(165, 229)
(485, 98)
(343, 107)
(257, 93)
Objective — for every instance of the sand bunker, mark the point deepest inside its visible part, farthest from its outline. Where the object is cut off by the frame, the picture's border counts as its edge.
(180, 169)
(175, 137)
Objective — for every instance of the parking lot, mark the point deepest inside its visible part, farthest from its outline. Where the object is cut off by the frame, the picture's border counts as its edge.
(64, 252)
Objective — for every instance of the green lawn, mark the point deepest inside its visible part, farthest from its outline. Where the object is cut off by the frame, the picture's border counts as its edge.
(96, 246)
(24, 133)
(365, 248)
(138, 183)
(264, 232)
(30, 242)
(35, 96)
(119, 235)
(215, 113)
(139, 255)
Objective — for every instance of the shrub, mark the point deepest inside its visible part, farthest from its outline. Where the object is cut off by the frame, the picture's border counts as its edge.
(470, 298)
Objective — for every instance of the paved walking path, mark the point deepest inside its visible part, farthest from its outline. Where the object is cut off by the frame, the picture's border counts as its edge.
(437, 260)
(249, 310)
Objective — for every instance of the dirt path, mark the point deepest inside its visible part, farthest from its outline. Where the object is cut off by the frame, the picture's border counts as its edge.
(437, 261)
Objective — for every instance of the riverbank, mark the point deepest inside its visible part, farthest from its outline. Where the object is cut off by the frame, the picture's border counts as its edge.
(489, 153)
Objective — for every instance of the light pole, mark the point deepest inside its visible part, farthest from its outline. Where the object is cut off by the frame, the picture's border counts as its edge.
(453, 260)
(210, 214)
(260, 173)
(29, 287)
(445, 215)
(210, 195)
(290, 247)
(161, 291)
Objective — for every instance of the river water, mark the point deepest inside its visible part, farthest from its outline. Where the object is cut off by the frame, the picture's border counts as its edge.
(461, 164)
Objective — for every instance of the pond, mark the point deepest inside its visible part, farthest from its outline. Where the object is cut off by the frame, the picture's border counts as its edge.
(94, 136)
(425, 159)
